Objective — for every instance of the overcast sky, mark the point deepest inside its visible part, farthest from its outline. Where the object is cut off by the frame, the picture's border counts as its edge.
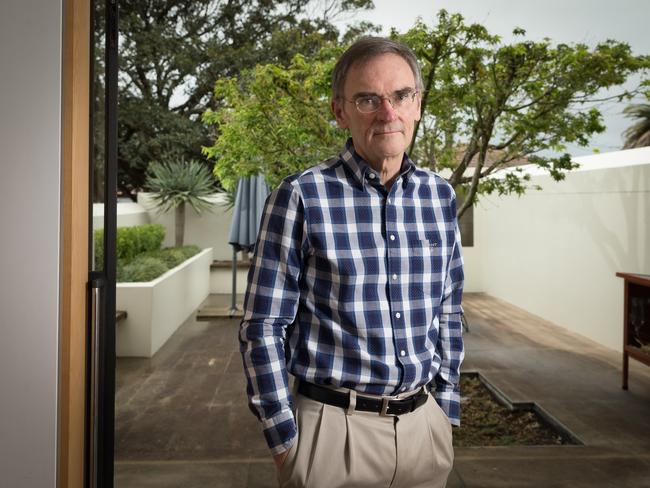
(568, 21)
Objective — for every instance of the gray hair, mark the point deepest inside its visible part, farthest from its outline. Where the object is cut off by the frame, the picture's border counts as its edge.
(365, 49)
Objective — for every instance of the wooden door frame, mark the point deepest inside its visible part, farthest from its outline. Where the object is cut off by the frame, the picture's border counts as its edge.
(74, 244)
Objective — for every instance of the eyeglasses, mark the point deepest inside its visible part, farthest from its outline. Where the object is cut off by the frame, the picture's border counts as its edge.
(367, 104)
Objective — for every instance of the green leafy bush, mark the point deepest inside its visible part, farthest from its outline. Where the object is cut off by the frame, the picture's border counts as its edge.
(190, 250)
(131, 241)
(139, 256)
(140, 239)
(141, 268)
(173, 256)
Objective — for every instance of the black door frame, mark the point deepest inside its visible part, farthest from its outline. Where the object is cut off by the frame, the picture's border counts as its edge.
(100, 411)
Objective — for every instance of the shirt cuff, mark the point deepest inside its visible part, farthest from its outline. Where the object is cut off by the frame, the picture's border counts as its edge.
(280, 431)
(449, 401)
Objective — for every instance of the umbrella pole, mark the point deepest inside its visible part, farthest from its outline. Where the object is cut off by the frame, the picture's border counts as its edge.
(233, 302)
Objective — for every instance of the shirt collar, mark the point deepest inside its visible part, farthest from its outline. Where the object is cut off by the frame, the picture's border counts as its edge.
(361, 170)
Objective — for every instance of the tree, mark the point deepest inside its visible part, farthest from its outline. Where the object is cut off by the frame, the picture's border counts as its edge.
(484, 102)
(177, 183)
(638, 134)
(274, 120)
(172, 51)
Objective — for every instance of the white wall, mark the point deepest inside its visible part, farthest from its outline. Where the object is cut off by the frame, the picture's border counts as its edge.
(30, 203)
(128, 214)
(209, 229)
(555, 252)
(472, 268)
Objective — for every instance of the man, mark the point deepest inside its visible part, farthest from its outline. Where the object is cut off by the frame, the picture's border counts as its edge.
(355, 290)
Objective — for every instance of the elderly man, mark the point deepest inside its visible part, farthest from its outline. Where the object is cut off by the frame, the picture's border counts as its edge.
(355, 290)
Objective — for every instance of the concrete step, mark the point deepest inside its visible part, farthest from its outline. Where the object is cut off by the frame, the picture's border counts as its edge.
(219, 306)
(206, 314)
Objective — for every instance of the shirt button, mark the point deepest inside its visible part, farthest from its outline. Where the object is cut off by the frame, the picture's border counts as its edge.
(390, 200)
(371, 176)
(392, 237)
(394, 276)
(402, 353)
(398, 315)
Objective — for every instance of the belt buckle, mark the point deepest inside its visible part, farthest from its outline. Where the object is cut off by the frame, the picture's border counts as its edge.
(384, 408)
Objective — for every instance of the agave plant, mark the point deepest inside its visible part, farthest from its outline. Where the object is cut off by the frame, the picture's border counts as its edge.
(177, 183)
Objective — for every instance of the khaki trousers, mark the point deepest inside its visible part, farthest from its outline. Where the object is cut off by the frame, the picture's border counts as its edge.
(364, 449)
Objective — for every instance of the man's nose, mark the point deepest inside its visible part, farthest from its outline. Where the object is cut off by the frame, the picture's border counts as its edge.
(386, 110)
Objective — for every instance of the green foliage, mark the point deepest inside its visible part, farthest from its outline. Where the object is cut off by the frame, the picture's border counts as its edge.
(138, 239)
(152, 264)
(139, 256)
(189, 250)
(173, 256)
(274, 120)
(175, 183)
(131, 241)
(496, 104)
(638, 134)
(484, 102)
(143, 268)
(171, 51)
(98, 248)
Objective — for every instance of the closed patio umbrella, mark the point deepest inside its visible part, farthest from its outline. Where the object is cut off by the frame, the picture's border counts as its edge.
(246, 218)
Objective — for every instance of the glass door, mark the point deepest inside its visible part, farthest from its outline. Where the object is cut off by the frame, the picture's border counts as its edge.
(102, 239)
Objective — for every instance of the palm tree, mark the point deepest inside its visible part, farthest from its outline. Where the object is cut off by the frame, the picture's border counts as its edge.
(638, 135)
(175, 183)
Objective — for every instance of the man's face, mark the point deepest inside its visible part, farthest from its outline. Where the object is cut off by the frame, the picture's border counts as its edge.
(386, 133)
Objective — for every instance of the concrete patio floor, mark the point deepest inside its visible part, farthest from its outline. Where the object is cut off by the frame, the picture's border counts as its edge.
(182, 419)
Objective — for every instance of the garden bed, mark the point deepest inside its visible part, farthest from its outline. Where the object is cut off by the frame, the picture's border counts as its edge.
(155, 309)
(489, 419)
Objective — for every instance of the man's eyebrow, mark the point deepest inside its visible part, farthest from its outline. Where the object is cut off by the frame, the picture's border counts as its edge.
(364, 94)
(406, 89)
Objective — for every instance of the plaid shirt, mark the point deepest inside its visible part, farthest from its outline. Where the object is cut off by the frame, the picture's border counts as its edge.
(353, 286)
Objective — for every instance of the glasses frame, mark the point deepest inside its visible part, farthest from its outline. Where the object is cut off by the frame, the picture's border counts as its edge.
(390, 98)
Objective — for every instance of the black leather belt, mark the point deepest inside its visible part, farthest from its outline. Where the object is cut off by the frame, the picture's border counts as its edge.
(365, 404)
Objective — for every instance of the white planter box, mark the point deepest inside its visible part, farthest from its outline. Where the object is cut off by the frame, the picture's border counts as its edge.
(157, 308)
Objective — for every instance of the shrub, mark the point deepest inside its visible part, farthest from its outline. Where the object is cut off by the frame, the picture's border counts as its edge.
(131, 241)
(190, 250)
(139, 256)
(142, 268)
(173, 256)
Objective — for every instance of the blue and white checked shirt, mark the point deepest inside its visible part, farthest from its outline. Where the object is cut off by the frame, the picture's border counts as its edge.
(353, 286)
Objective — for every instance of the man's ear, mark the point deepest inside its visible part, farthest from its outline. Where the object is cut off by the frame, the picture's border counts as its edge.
(339, 113)
(419, 113)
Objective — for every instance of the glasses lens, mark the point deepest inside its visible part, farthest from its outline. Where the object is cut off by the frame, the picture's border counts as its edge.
(368, 104)
(402, 98)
